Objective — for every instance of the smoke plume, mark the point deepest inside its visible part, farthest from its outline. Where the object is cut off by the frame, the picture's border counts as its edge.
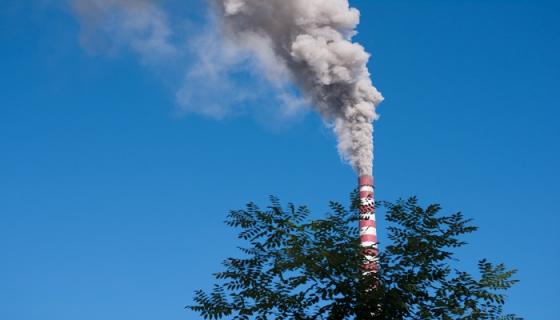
(312, 41)
(138, 25)
(306, 43)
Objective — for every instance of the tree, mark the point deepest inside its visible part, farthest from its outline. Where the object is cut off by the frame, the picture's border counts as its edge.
(298, 268)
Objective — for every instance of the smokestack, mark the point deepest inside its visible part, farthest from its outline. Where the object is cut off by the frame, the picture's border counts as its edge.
(368, 228)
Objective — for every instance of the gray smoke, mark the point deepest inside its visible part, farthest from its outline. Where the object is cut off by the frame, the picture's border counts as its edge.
(311, 41)
(303, 42)
(139, 25)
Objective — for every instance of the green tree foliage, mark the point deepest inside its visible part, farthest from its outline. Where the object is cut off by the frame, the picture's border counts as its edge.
(297, 268)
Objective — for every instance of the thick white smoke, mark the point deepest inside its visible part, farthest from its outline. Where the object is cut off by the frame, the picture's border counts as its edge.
(303, 42)
(312, 40)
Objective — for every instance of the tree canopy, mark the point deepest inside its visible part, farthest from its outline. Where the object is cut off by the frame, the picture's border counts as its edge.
(295, 267)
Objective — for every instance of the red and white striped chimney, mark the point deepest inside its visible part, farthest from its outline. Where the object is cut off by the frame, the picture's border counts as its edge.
(368, 228)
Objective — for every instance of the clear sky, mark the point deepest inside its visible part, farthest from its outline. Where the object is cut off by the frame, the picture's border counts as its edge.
(112, 199)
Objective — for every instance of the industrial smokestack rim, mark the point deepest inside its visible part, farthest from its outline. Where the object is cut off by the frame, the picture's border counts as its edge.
(365, 180)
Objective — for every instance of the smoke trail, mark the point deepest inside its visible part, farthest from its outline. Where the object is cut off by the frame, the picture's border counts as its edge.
(139, 25)
(312, 41)
(303, 42)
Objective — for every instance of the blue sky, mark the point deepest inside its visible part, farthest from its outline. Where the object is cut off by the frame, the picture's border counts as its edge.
(112, 200)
